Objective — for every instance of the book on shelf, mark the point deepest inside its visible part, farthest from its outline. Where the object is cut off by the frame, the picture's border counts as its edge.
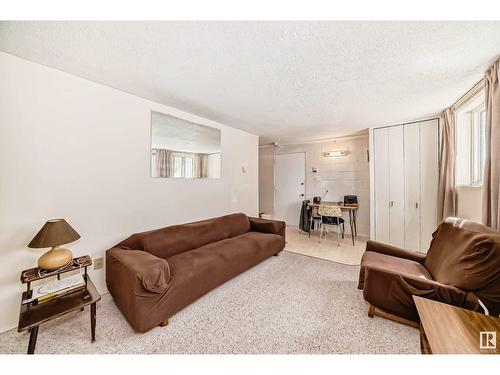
(56, 288)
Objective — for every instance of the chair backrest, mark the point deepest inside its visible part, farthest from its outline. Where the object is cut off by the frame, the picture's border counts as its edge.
(466, 255)
(332, 211)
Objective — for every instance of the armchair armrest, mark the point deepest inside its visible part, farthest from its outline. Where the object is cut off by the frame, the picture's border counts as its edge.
(403, 286)
(136, 271)
(382, 248)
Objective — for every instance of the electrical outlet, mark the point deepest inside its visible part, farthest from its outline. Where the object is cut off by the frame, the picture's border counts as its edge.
(97, 263)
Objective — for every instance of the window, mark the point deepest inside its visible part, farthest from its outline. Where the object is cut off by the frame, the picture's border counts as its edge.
(183, 166)
(478, 124)
(470, 143)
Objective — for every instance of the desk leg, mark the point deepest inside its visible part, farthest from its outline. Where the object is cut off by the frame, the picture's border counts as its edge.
(33, 336)
(92, 320)
(354, 220)
(352, 227)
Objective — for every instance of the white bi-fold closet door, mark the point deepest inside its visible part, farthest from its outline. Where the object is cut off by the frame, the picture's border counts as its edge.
(405, 172)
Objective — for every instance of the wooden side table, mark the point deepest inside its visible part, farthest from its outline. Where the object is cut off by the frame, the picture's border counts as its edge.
(33, 314)
(447, 329)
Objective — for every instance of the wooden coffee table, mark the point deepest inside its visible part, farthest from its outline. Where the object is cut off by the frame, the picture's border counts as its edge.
(447, 329)
(32, 314)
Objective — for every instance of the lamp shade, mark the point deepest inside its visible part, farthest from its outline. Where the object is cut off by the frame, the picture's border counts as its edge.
(55, 232)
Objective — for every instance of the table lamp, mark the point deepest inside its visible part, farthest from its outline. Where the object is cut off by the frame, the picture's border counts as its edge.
(54, 233)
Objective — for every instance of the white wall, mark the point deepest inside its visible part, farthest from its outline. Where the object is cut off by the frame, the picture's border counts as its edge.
(213, 165)
(78, 150)
(470, 203)
(340, 176)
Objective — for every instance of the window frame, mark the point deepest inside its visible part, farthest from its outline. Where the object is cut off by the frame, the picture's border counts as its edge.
(183, 156)
(472, 112)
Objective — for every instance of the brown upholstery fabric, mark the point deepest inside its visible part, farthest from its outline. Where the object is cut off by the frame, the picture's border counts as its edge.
(462, 265)
(148, 289)
(169, 241)
(467, 255)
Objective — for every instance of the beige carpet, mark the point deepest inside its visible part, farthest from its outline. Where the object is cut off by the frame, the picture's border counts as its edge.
(286, 304)
(326, 248)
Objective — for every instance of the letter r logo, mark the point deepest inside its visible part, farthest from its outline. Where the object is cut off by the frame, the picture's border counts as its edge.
(487, 340)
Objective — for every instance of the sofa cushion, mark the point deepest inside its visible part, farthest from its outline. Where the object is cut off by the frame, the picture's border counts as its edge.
(172, 240)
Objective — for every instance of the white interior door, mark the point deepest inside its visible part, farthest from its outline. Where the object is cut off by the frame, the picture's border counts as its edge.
(396, 187)
(429, 136)
(289, 191)
(412, 186)
(381, 183)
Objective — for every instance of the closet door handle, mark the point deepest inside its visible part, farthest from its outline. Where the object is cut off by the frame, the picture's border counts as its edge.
(391, 203)
(416, 204)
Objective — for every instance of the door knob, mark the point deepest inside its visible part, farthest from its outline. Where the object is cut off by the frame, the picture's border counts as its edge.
(301, 195)
(391, 203)
(416, 204)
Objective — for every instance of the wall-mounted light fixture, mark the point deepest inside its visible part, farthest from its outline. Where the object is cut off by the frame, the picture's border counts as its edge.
(335, 153)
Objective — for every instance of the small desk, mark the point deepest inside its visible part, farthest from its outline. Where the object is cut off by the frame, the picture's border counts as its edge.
(32, 314)
(351, 208)
(447, 329)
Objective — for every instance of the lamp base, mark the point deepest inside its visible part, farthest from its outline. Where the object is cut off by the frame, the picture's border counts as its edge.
(55, 258)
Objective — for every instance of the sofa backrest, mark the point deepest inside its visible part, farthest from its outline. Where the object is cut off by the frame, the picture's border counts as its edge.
(466, 255)
(172, 240)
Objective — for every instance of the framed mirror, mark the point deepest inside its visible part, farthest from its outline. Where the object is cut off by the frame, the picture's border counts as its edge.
(184, 149)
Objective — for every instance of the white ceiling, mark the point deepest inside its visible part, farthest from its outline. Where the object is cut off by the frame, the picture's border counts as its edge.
(175, 134)
(285, 81)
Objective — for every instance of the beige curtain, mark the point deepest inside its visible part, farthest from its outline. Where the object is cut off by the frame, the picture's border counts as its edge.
(162, 164)
(201, 165)
(446, 185)
(491, 180)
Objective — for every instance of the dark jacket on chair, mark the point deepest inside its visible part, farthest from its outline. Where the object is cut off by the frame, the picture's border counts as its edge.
(305, 216)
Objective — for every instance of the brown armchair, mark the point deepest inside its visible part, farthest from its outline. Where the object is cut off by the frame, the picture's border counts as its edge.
(461, 268)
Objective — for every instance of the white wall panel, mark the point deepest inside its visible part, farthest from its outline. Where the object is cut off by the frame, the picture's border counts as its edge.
(429, 138)
(396, 187)
(381, 183)
(412, 185)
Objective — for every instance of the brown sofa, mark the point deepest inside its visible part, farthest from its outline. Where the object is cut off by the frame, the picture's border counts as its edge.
(461, 268)
(154, 274)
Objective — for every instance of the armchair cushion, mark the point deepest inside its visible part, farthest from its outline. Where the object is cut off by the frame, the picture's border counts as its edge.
(391, 264)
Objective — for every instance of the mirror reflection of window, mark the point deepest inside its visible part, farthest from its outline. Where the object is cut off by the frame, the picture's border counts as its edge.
(182, 149)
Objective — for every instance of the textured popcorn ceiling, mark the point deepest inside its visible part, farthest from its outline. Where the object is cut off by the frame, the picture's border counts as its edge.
(285, 81)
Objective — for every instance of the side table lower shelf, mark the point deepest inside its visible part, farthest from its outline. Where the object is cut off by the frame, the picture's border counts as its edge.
(31, 316)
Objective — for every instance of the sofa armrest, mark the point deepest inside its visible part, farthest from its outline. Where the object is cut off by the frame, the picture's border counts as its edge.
(382, 248)
(267, 226)
(136, 271)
